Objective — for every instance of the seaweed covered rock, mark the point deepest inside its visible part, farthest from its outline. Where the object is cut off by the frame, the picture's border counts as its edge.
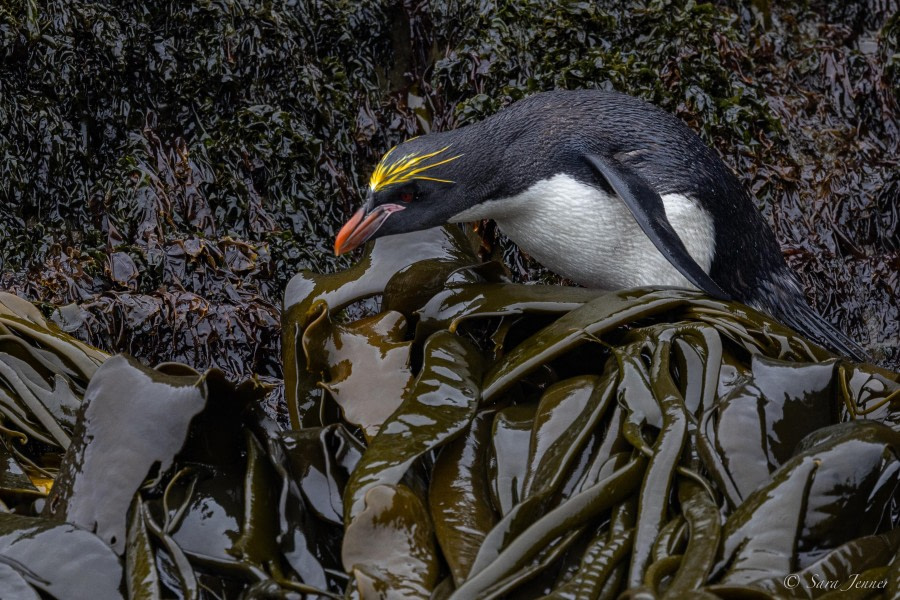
(165, 169)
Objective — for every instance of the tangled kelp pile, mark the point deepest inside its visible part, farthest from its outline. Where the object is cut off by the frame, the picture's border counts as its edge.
(474, 439)
(563, 443)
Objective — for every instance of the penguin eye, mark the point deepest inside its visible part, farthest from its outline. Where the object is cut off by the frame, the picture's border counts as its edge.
(406, 197)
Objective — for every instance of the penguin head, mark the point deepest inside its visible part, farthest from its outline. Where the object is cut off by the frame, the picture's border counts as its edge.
(414, 187)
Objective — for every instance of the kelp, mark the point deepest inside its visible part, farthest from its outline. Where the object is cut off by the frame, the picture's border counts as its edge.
(119, 427)
(454, 435)
(123, 403)
(59, 559)
(742, 454)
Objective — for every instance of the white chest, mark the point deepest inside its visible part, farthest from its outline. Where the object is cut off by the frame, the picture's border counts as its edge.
(591, 237)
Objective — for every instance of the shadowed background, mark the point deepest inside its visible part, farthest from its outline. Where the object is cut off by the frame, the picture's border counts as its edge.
(165, 169)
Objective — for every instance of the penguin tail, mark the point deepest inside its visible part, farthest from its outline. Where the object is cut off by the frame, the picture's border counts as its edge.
(785, 301)
(804, 319)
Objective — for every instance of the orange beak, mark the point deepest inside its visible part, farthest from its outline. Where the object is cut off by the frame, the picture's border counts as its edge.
(361, 227)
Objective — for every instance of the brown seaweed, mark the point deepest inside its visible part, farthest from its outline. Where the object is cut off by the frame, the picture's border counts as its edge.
(538, 443)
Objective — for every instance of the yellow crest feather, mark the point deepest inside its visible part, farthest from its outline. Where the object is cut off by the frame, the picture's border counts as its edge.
(406, 168)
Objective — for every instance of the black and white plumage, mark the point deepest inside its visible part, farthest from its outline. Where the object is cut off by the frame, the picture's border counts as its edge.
(603, 188)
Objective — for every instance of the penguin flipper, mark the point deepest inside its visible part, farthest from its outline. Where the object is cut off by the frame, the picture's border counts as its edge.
(650, 213)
